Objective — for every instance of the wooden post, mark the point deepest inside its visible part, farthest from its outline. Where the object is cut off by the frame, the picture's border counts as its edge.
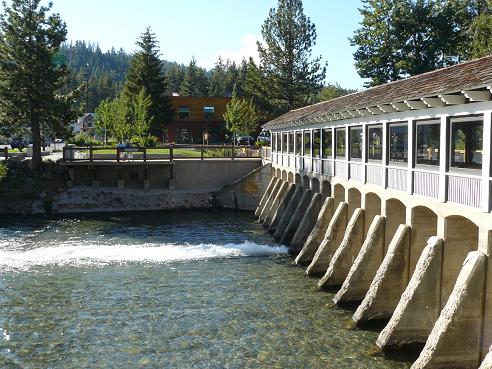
(118, 154)
(232, 153)
(6, 153)
(91, 154)
(171, 153)
(202, 152)
(144, 154)
(64, 154)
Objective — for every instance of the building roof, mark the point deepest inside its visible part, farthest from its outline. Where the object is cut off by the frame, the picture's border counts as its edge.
(447, 86)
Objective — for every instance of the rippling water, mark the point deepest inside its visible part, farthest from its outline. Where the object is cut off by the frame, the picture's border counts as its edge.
(165, 290)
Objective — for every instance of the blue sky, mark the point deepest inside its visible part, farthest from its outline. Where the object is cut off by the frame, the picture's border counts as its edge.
(205, 29)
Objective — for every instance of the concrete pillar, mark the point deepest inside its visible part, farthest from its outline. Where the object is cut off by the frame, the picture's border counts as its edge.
(420, 304)
(395, 213)
(345, 255)
(487, 361)
(390, 280)
(424, 225)
(365, 266)
(333, 238)
(295, 221)
(455, 340)
(289, 211)
(276, 203)
(307, 223)
(265, 196)
(281, 208)
(485, 245)
(269, 202)
(317, 234)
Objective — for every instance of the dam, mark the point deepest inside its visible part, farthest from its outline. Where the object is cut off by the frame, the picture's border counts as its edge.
(385, 196)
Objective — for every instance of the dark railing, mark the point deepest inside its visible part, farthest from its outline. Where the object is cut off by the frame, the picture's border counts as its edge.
(6, 153)
(167, 152)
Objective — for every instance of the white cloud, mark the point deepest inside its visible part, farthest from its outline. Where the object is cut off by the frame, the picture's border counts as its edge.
(247, 48)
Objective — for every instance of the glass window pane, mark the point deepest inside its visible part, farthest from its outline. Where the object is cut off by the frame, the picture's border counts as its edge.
(375, 143)
(316, 143)
(340, 138)
(327, 143)
(284, 142)
(398, 137)
(291, 142)
(428, 139)
(184, 112)
(208, 112)
(307, 143)
(356, 143)
(298, 143)
(467, 144)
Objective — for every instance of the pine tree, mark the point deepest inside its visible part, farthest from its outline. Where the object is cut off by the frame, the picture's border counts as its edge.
(218, 79)
(285, 57)
(32, 74)
(195, 81)
(481, 33)
(146, 71)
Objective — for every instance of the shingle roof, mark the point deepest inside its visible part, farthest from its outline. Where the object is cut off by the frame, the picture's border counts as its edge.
(469, 75)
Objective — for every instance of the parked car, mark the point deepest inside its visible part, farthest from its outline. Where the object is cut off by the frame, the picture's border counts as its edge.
(17, 143)
(245, 141)
(264, 137)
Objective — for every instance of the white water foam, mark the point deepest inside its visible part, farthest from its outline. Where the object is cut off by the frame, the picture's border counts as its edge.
(92, 254)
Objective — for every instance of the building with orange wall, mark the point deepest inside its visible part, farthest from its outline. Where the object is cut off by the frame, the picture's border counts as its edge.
(197, 120)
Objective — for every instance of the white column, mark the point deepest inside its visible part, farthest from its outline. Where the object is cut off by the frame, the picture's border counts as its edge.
(386, 139)
(411, 155)
(486, 157)
(444, 154)
(312, 150)
(364, 153)
(347, 149)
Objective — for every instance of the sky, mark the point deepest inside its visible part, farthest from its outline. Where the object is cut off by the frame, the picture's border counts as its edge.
(207, 29)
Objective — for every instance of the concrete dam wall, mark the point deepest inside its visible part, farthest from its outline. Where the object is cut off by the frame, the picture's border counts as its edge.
(419, 266)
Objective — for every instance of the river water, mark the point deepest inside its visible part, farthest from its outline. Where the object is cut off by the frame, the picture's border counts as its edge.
(165, 290)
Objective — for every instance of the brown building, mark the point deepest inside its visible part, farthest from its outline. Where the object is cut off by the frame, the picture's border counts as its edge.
(197, 120)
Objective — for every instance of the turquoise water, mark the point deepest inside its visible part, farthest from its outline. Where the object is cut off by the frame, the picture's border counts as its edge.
(165, 290)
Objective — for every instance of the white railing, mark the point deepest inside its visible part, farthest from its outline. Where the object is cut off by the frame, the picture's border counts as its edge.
(327, 167)
(357, 172)
(299, 163)
(426, 184)
(375, 175)
(340, 169)
(465, 190)
(397, 179)
(317, 165)
(307, 164)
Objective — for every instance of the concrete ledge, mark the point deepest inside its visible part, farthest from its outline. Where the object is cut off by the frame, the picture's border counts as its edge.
(420, 304)
(297, 217)
(265, 196)
(289, 211)
(271, 197)
(281, 208)
(317, 234)
(390, 280)
(455, 340)
(344, 256)
(487, 361)
(331, 241)
(276, 203)
(365, 266)
(307, 223)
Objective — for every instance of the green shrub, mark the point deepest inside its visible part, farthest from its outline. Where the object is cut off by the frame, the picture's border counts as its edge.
(83, 139)
(149, 141)
(3, 171)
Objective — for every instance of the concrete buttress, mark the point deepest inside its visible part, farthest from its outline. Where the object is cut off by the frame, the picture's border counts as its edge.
(333, 237)
(307, 223)
(455, 340)
(288, 212)
(276, 203)
(420, 304)
(317, 234)
(365, 266)
(265, 196)
(390, 280)
(297, 217)
(269, 202)
(281, 208)
(345, 255)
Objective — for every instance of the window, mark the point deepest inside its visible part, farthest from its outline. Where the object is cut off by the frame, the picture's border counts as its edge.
(298, 143)
(340, 142)
(184, 112)
(284, 142)
(356, 142)
(208, 112)
(427, 138)
(291, 142)
(316, 143)
(375, 143)
(467, 143)
(327, 143)
(183, 135)
(274, 142)
(398, 145)
(307, 143)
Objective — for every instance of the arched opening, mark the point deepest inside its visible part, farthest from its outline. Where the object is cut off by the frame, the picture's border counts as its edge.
(395, 215)
(278, 173)
(354, 201)
(460, 237)
(290, 177)
(339, 195)
(315, 185)
(372, 208)
(424, 225)
(306, 182)
(326, 188)
(298, 179)
(284, 175)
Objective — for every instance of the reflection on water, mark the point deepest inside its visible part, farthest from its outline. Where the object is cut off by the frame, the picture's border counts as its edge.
(166, 290)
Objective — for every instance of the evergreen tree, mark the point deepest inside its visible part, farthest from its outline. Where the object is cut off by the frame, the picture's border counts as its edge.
(241, 116)
(32, 74)
(146, 71)
(481, 33)
(195, 81)
(174, 76)
(218, 79)
(332, 91)
(285, 57)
